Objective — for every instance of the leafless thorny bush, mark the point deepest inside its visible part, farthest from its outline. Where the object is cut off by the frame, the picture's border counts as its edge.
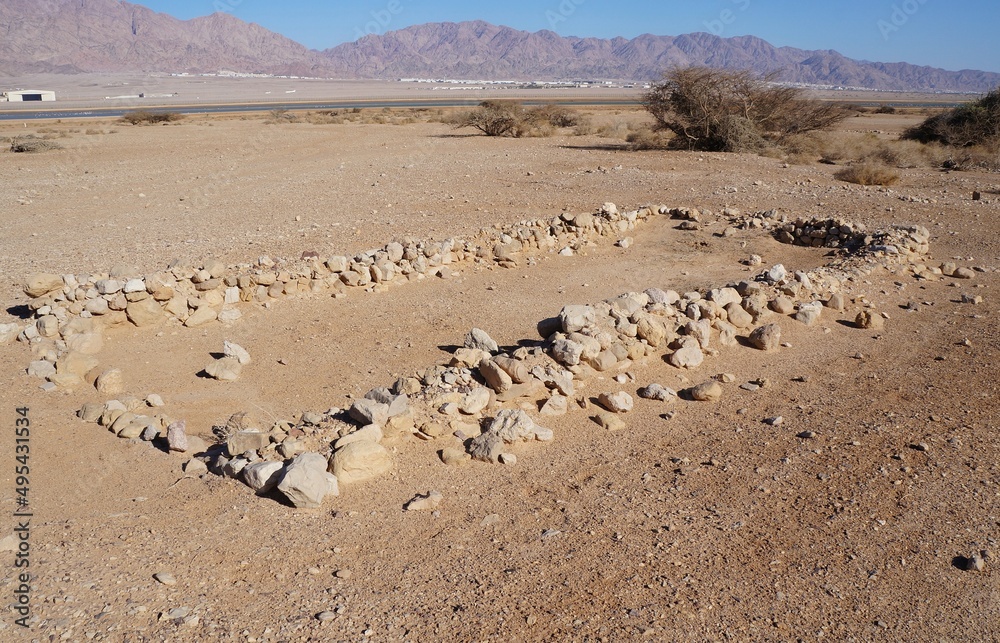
(30, 143)
(512, 118)
(868, 174)
(150, 117)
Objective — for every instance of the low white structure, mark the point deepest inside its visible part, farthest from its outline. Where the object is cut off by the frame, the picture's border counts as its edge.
(23, 95)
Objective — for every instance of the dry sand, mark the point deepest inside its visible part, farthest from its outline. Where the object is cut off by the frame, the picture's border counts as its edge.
(708, 526)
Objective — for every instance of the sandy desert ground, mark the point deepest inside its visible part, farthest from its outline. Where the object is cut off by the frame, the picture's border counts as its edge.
(708, 526)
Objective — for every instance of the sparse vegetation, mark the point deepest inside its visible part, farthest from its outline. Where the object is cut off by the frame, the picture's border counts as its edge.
(497, 118)
(885, 108)
(976, 123)
(733, 111)
(868, 174)
(31, 143)
(149, 117)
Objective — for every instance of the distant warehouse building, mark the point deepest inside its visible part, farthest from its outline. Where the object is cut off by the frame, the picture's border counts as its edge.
(24, 95)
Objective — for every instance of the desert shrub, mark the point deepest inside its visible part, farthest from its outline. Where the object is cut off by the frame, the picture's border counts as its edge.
(556, 115)
(703, 107)
(31, 143)
(93, 132)
(647, 138)
(975, 123)
(885, 108)
(148, 117)
(618, 129)
(868, 174)
(499, 118)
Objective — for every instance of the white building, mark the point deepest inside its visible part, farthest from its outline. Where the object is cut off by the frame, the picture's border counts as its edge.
(28, 95)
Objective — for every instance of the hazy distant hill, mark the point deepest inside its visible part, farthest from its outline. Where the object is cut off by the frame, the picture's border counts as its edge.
(73, 36)
(481, 50)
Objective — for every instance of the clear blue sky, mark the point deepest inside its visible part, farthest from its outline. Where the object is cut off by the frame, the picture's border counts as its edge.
(953, 34)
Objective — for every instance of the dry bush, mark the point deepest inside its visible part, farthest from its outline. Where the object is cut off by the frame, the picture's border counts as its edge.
(617, 129)
(499, 118)
(93, 132)
(868, 174)
(31, 143)
(838, 148)
(885, 108)
(148, 117)
(556, 115)
(704, 107)
(647, 138)
(975, 123)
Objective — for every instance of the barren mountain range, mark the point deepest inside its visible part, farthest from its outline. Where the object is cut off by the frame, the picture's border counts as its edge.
(77, 36)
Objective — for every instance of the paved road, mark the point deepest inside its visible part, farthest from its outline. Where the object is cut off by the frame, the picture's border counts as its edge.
(266, 107)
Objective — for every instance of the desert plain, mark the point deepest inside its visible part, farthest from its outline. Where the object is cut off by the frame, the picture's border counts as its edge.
(853, 518)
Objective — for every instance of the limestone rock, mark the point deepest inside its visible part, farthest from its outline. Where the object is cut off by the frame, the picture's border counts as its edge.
(264, 476)
(226, 369)
(90, 343)
(397, 403)
(576, 318)
(90, 412)
(177, 439)
(738, 316)
(609, 421)
(555, 405)
(620, 402)
(686, 357)
(237, 352)
(651, 330)
(480, 340)
(8, 333)
(495, 377)
(144, 313)
(371, 433)
(658, 393)
(517, 370)
(835, 302)
(710, 391)
(306, 481)
(766, 338)
(424, 502)
(510, 425)
(809, 313)
(41, 369)
(360, 461)
(243, 441)
(367, 411)
(782, 305)
(202, 316)
(111, 382)
(41, 284)
(475, 401)
(869, 320)
(453, 456)
(567, 352)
